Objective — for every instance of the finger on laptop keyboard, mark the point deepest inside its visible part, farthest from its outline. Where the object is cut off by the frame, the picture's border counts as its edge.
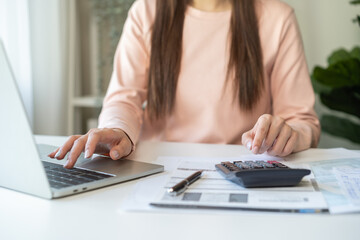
(77, 148)
(53, 154)
(92, 140)
(66, 147)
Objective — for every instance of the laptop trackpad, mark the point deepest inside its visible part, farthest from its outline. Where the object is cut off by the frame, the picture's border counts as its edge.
(122, 167)
(116, 167)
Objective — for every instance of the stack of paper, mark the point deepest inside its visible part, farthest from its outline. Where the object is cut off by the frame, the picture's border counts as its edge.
(334, 185)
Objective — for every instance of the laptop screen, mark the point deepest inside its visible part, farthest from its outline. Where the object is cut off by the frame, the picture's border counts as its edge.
(20, 165)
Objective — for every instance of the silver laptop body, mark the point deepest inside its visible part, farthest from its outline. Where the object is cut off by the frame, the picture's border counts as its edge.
(21, 166)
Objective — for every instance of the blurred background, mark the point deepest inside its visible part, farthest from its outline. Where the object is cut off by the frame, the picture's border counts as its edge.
(62, 50)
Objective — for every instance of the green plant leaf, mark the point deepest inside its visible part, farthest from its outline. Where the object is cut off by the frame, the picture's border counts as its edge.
(357, 19)
(339, 55)
(355, 2)
(350, 68)
(357, 95)
(341, 74)
(330, 78)
(343, 99)
(318, 87)
(341, 127)
(355, 52)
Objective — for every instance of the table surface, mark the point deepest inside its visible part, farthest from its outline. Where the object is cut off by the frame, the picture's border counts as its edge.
(98, 214)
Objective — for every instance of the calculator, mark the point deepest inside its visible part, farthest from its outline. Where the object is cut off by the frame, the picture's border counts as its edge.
(251, 174)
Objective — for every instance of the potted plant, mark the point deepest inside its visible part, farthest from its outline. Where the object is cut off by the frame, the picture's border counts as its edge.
(338, 86)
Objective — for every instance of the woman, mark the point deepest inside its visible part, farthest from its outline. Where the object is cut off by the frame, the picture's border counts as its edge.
(209, 71)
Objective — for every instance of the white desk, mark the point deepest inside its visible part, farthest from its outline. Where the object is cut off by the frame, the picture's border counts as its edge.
(98, 214)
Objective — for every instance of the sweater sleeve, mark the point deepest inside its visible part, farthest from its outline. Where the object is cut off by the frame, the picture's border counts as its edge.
(293, 95)
(127, 91)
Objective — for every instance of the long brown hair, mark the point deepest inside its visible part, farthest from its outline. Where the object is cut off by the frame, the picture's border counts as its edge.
(245, 63)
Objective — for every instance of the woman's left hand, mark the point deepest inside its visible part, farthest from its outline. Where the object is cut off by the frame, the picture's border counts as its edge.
(273, 135)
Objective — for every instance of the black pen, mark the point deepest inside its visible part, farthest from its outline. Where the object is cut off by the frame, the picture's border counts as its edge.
(181, 186)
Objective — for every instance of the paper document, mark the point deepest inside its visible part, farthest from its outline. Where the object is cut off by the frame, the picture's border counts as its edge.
(214, 191)
(339, 181)
(349, 180)
(333, 185)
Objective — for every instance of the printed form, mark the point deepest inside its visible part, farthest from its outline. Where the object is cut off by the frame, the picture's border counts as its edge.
(214, 191)
(339, 181)
(333, 185)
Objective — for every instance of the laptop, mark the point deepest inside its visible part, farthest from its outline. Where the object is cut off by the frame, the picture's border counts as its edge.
(25, 167)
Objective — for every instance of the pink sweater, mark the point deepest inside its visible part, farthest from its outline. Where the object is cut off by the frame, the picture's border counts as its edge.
(202, 113)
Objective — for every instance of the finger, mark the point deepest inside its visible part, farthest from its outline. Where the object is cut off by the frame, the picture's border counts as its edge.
(53, 154)
(290, 145)
(262, 148)
(113, 135)
(274, 130)
(261, 131)
(247, 138)
(123, 149)
(76, 150)
(91, 143)
(109, 138)
(281, 140)
(64, 149)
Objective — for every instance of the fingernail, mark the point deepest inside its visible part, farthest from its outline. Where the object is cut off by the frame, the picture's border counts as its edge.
(57, 154)
(248, 145)
(87, 154)
(256, 149)
(116, 155)
(66, 164)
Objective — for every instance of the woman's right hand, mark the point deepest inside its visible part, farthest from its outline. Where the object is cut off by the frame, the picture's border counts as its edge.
(111, 141)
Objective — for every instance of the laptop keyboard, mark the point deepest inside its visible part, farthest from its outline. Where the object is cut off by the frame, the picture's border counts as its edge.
(60, 177)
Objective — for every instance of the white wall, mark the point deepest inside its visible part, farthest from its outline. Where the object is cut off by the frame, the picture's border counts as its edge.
(327, 25)
(14, 31)
(48, 44)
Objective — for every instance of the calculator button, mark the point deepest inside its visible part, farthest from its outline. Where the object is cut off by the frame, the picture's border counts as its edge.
(254, 165)
(230, 166)
(241, 165)
(279, 165)
(266, 164)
